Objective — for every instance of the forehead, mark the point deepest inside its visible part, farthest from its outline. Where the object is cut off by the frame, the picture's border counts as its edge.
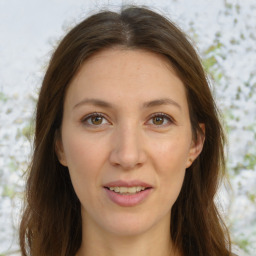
(129, 61)
(126, 74)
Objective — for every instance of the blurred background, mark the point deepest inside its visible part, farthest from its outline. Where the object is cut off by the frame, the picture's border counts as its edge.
(224, 33)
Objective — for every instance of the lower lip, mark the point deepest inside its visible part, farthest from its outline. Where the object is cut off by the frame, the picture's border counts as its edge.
(128, 200)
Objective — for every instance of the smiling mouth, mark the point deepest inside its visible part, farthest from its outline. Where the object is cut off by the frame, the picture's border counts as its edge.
(128, 194)
(127, 190)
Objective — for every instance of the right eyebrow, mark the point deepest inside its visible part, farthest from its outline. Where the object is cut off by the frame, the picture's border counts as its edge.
(95, 102)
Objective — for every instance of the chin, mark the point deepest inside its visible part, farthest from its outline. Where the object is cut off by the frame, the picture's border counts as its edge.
(131, 224)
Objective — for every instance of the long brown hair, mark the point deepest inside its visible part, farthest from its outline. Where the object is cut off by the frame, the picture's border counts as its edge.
(51, 222)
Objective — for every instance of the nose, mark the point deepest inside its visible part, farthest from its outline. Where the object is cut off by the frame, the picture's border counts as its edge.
(127, 148)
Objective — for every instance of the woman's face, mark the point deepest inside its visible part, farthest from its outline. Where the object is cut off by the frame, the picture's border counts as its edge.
(126, 139)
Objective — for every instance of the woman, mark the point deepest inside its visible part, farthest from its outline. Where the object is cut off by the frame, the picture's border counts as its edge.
(128, 145)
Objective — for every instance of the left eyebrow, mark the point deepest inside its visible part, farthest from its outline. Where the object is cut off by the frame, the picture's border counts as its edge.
(160, 102)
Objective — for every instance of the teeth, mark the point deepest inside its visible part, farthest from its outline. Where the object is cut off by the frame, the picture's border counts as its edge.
(126, 190)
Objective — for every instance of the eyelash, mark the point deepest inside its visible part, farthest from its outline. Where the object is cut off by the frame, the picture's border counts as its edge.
(164, 116)
(169, 119)
(95, 114)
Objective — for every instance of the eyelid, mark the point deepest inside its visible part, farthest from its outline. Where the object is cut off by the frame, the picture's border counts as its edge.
(164, 115)
(94, 114)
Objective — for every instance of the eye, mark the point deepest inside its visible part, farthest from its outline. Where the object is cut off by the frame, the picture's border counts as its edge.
(161, 119)
(95, 119)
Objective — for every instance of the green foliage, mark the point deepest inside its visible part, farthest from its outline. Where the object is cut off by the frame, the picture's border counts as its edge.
(13, 165)
(250, 161)
(210, 62)
(213, 48)
(3, 97)
(8, 191)
(252, 197)
(243, 243)
(28, 130)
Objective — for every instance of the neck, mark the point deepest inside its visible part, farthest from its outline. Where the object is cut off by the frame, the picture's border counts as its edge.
(126, 246)
(154, 242)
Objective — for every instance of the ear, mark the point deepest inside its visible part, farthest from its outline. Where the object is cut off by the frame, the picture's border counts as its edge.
(59, 149)
(196, 146)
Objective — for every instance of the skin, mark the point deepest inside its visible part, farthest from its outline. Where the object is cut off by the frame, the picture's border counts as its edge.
(126, 143)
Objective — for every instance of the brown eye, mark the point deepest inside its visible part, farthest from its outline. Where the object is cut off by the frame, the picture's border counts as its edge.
(161, 120)
(158, 120)
(96, 120)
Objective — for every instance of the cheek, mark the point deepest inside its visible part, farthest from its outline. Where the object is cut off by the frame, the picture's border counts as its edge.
(170, 163)
(84, 159)
(171, 155)
(82, 153)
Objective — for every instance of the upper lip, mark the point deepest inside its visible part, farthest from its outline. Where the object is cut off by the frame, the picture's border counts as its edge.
(132, 183)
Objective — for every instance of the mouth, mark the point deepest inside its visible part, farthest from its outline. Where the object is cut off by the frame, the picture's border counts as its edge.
(128, 193)
(127, 190)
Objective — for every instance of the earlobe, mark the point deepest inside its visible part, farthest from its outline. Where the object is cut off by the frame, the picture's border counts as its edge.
(59, 150)
(196, 146)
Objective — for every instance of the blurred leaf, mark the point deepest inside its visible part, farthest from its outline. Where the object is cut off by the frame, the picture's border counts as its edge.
(8, 191)
(209, 63)
(28, 131)
(252, 197)
(243, 244)
(250, 161)
(213, 48)
(3, 97)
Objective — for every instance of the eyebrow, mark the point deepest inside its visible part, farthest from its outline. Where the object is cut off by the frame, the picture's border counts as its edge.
(149, 104)
(95, 102)
(160, 102)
